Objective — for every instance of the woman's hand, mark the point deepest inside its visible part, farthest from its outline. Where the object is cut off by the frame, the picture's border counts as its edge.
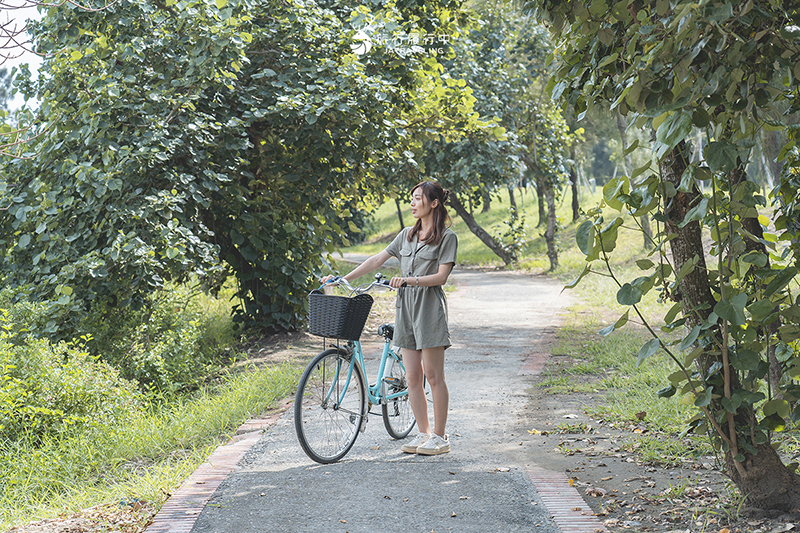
(397, 282)
(327, 278)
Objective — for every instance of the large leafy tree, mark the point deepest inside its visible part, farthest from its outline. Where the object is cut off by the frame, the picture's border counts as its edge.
(720, 68)
(189, 138)
(500, 58)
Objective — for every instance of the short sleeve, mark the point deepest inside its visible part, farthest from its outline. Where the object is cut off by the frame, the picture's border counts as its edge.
(448, 249)
(394, 247)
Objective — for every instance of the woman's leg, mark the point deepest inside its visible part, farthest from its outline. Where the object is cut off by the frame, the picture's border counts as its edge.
(412, 359)
(433, 362)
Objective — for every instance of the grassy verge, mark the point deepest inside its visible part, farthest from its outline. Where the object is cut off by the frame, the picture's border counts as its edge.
(132, 462)
(141, 459)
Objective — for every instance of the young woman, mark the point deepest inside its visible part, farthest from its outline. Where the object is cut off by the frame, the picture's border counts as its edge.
(427, 254)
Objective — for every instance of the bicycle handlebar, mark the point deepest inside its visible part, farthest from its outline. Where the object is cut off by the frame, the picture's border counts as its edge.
(380, 281)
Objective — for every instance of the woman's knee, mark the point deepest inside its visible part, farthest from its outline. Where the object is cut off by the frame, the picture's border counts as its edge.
(415, 379)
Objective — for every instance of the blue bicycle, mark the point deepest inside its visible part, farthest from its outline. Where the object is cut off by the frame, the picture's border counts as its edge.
(333, 397)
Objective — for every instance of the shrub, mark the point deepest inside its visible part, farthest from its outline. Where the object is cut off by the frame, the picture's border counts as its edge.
(168, 345)
(56, 389)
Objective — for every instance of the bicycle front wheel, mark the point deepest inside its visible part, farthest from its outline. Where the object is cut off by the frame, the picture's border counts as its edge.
(397, 414)
(329, 406)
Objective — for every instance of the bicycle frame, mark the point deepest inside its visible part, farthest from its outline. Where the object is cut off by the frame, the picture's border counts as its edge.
(374, 390)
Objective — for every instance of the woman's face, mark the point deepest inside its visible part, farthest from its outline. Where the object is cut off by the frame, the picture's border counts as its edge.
(420, 205)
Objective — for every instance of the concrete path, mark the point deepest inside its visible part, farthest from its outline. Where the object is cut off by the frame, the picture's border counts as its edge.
(490, 482)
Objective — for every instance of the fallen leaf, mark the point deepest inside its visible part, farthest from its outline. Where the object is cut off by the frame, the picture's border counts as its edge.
(388, 497)
(534, 432)
(640, 415)
(453, 515)
(502, 469)
(571, 482)
(343, 521)
(607, 478)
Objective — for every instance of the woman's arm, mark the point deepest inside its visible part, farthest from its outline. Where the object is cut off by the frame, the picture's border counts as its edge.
(431, 280)
(366, 267)
(373, 263)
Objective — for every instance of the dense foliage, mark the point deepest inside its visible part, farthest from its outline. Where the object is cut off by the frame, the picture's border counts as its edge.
(193, 139)
(51, 391)
(725, 71)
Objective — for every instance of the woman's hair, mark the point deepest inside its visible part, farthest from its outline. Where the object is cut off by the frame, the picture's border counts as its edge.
(441, 218)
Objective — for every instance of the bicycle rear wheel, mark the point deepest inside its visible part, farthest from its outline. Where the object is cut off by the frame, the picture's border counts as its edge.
(397, 414)
(329, 406)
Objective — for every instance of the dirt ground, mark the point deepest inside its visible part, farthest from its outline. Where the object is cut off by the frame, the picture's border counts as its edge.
(626, 493)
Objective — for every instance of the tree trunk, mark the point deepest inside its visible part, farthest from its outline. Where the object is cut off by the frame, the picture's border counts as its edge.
(573, 176)
(540, 190)
(399, 213)
(479, 232)
(487, 202)
(762, 478)
(694, 288)
(511, 199)
(550, 232)
(765, 480)
(753, 226)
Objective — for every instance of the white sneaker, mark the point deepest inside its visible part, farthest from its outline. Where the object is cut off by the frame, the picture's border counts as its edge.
(435, 445)
(416, 442)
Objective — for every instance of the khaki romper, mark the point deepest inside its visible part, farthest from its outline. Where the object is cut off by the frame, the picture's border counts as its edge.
(421, 320)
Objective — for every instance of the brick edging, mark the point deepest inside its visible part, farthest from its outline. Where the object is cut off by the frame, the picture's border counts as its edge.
(568, 509)
(180, 512)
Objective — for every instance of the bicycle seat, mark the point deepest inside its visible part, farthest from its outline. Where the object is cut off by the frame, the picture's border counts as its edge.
(386, 330)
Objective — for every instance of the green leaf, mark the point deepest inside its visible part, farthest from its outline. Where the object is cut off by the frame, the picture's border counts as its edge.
(644, 264)
(629, 295)
(577, 280)
(778, 406)
(732, 310)
(705, 397)
(673, 312)
(24, 241)
(689, 339)
(761, 309)
(649, 348)
(731, 404)
(621, 321)
(721, 156)
(780, 281)
(674, 129)
(221, 4)
(745, 360)
(667, 392)
(584, 236)
(613, 189)
(695, 213)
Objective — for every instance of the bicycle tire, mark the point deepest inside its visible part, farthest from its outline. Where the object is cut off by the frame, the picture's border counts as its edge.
(398, 418)
(328, 411)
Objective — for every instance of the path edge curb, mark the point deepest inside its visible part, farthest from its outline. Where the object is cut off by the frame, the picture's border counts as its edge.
(183, 507)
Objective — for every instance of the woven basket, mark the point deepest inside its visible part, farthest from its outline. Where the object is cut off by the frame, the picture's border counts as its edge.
(338, 317)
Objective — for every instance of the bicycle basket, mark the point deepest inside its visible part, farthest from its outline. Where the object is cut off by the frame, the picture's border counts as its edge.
(338, 317)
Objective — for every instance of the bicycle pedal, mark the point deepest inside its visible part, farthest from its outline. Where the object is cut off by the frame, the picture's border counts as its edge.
(391, 381)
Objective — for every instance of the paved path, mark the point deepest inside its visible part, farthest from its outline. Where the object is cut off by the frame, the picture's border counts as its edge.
(490, 482)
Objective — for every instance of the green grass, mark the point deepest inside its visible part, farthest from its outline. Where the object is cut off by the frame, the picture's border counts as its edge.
(471, 251)
(143, 459)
